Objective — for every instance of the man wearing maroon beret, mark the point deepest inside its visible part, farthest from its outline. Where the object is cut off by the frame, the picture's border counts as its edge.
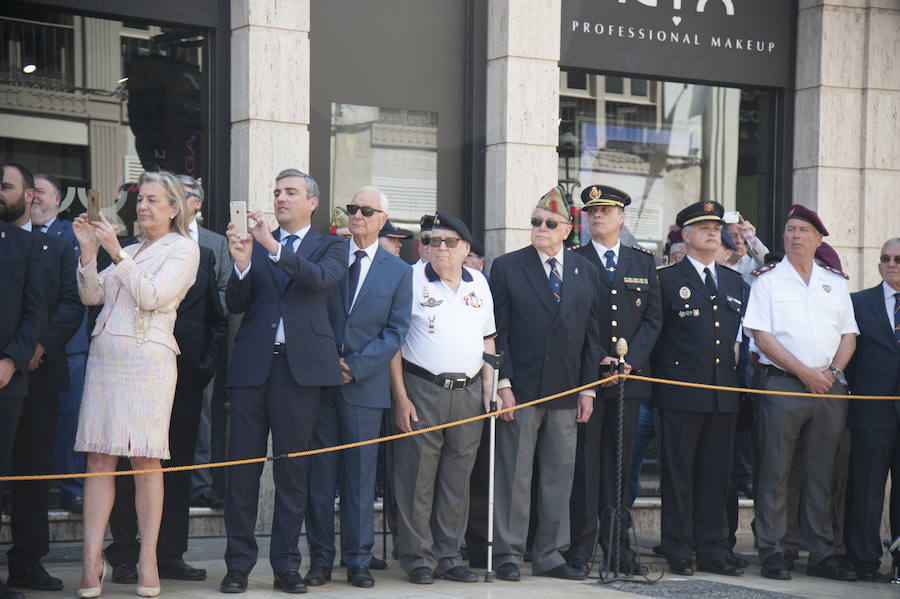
(801, 319)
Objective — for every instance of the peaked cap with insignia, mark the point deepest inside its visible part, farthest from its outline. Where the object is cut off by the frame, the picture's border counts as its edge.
(603, 195)
(699, 212)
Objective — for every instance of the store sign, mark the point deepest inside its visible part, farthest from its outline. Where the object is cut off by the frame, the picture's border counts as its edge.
(742, 42)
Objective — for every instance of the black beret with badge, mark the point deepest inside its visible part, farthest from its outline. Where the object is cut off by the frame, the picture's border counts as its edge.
(445, 220)
(603, 195)
(699, 212)
(392, 232)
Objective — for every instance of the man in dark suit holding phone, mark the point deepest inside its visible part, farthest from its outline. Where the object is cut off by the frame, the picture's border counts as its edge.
(284, 353)
(874, 425)
(545, 304)
(23, 316)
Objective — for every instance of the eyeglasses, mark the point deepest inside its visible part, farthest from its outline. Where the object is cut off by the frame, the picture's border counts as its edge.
(885, 259)
(367, 211)
(425, 239)
(551, 223)
(451, 242)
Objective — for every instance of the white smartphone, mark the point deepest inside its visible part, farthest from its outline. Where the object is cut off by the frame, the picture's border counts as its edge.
(732, 217)
(239, 218)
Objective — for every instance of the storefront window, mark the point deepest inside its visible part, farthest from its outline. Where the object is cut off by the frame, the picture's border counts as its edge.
(94, 102)
(667, 144)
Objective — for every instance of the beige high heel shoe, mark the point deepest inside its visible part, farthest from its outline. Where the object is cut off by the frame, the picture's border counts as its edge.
(91, 592)
(148, 591)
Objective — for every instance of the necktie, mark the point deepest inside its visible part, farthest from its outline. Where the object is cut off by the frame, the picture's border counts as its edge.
(555, 280)
(710, 284)
(43, 228)
(897, 316)
(354, 273)
(610, 264)
(287, 242)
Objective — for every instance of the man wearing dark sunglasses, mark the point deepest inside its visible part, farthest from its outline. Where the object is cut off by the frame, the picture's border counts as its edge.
(875, 425)
(629, 306)
(548, 328)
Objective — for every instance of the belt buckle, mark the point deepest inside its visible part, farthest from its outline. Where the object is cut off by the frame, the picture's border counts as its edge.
(460, 383)
(448, 384)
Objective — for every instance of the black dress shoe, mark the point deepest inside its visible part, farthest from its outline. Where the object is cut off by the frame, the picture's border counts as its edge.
(178, 570)
(377, 564)
(775, 568)
(831, 567)
(359, 576)
(866, 571)
(790, 556)
(235, 581)
(73, 505)
(681, 567)
(735, 559)
(421, 575)
(509, 572)
(289, 581)
(564, 571)
(33, 576)
(719, 566)
(318, 574)
(125, 574)
(5, 593)
(579, 564)
(459, 574)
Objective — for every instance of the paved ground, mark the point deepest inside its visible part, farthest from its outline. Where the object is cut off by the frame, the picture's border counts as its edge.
(64, 561)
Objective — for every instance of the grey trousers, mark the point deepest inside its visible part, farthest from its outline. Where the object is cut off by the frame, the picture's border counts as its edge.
(552, 434)
(813, 427)
(431, 476)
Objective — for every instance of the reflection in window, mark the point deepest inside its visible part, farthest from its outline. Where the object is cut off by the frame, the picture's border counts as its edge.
(667, 144)
(393, 149)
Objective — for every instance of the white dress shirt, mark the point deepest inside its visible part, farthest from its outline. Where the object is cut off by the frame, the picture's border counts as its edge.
(364, 267)
(559, 261)
(193, 230)
(700, 266)
(46, 226)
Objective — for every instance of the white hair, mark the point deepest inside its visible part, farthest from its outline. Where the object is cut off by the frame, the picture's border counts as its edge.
(382, 199)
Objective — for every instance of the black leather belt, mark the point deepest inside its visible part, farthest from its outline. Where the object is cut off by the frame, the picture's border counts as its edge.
(445, 380)
(775, 371)
(280, 349)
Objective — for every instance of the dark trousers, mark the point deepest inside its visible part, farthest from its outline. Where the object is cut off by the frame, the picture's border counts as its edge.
(872, 455)
(289, 411)
(10, 412)
(695, 460)
(173, 530)
(594, 488)
(32, 454)
(65, 459)
(476, 530)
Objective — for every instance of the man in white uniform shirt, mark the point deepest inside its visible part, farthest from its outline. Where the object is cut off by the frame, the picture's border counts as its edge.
(444, 379)
(801, 319)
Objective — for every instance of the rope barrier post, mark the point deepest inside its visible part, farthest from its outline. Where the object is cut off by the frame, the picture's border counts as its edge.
(495, 361)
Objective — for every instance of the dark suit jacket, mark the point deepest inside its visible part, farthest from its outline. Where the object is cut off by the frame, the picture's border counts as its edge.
(23, 310)
(200, 327)
(62, 229)
(64, 310)
(635, 293)
(549, 347)
(224, 262)
(369, 335)
(313, 272)
(687, 348)
(875, 368)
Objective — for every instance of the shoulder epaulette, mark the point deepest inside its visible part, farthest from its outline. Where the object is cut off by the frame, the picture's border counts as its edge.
(662, 266)
(726, 267)
(836, 271)
(572, 247)
(763, 269)
(641, 249)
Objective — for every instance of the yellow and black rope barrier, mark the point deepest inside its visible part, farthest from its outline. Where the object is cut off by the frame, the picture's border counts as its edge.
(298, 454)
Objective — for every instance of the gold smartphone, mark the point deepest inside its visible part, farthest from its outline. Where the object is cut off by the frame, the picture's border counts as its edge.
(93, 205)
(239, 218)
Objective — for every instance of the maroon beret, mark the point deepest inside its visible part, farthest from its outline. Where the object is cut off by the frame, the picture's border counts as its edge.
(801, 212)
(826, 254)
(675, 236)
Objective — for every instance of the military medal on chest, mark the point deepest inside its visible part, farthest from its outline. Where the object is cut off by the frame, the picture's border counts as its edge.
(684, 293)
(431, 319)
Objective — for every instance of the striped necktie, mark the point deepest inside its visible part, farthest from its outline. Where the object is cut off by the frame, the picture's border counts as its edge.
(897, 316)
(555, 280)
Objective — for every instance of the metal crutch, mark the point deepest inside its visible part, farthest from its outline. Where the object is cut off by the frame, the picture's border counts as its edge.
(495, 361)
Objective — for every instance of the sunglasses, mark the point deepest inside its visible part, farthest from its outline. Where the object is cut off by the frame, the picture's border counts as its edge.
(450, 242)
(425, 239)
(885, 259)
(550, 222)
(367, 211)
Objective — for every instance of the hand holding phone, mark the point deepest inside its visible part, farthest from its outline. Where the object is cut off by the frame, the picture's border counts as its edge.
(93, 205)
(239, 218)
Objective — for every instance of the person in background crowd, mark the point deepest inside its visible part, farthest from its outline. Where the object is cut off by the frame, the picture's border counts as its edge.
(546, 306)
(749, 252)
(702, 304)
(874, 425)
(23, 316)
(48, 376)
(370, 312)
(425, 225)
(127, 403)
(391, 238)
(801, 318)
(284, 354)
(340, 224)
(200, 328)
(475, 259)
(629, 305)
(45, 214)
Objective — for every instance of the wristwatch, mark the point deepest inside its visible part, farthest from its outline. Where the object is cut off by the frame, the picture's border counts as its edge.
(119, 256)
(838, 375)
